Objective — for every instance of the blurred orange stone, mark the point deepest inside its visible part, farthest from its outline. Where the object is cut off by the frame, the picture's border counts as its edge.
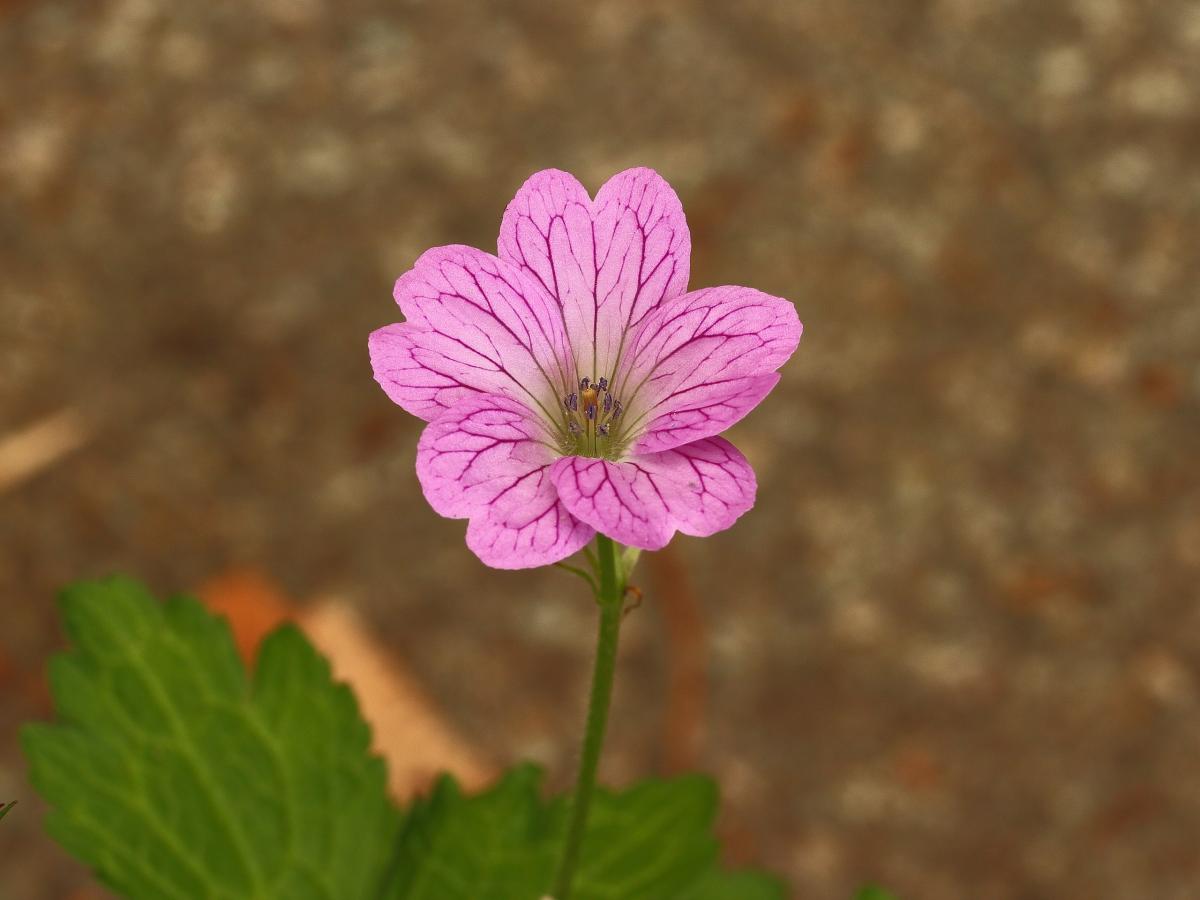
(253, 605)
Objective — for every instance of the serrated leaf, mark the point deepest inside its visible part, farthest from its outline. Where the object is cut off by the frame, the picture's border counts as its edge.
(175, 776)
(5, 809)
(871, 892)
(737, 885)
(650, 842)
(495, 845)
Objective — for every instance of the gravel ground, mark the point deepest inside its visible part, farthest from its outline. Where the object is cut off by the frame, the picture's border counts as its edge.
(956, 646)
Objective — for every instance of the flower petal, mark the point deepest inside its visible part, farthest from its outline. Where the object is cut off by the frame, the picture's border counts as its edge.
(707, 415)
(699, 489)
(486, 459)
(700, 362)
(421, 383)
(479, 323)
(476, 453)
(547, 232)
(608, 262)
(540, 533)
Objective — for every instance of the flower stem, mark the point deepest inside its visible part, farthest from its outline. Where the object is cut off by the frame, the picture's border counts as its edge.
(609, 600)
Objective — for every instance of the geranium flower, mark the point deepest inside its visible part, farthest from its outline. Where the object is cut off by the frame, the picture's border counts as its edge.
(571, 383)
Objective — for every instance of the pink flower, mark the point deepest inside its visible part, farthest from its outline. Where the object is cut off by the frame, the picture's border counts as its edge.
(571, 383)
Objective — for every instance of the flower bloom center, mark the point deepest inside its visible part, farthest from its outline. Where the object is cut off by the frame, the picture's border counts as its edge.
(591, 421)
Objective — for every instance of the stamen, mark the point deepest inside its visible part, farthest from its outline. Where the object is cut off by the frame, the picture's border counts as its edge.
(593, 406)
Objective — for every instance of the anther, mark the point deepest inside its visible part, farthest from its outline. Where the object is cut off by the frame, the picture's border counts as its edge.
(572, 402)
(574, 427)
(584, 383)
(602, 384)
(617, 409)
(603, 429)
(608, 402)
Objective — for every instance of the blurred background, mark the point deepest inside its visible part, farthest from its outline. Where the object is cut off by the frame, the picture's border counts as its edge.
(956, 646)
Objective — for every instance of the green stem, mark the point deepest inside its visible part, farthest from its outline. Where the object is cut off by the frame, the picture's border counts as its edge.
(609, 600)
(585, 575)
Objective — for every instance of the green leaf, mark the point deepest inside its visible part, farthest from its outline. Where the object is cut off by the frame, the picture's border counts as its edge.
(738, 885)
(497, 844)
(871, 892)
(5, 809)
(650, 842)
(741, 884)
(175, 776)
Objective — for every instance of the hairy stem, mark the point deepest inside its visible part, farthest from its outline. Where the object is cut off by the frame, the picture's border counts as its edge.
(609, 600)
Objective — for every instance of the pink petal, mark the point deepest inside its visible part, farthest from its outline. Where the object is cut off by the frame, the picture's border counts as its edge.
(475, 453)
(701, 362)
(698, 489)
(538, 534)
(422, 383)
(487, 459)
(608, 262)
(708, 415)
(475, 323)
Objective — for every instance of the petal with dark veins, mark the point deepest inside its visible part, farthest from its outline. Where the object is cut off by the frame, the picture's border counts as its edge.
(699, 489)
(701, 362)
(487, 459)
(474, 323)
(709, 412)
(419, 382)
(608, 262)
(539, 532)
